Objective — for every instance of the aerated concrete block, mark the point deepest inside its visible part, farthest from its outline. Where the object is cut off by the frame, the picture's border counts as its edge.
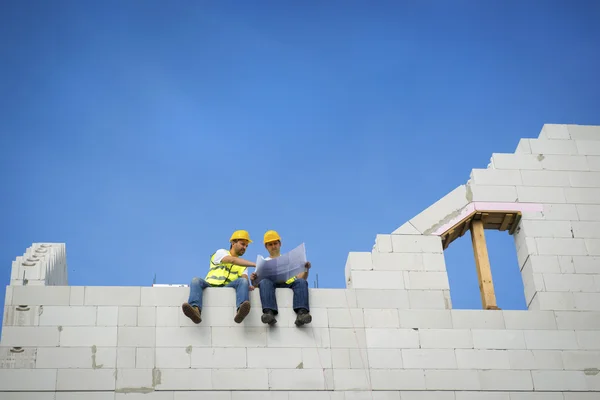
(79, 336)
(555, 131)
(407, 229)
(385, 358)
(112, 296)
(416, 244)
(546, 178)
(28, 380)
(429, 358)
(428, 299)
(107, 315)
(551, 229)
(85, 379)
(445, 339)
(480, 319)
(577, 320)
(594, 163)
(68, 316)
(381, 318)
(188, 379)
(296, 379)
(174, 357)
(345, 318)
(294, 337)
(582, 195)
(556, 301)
(547, 147)
(132, 379)
(398, 261)
(585, 179)
(587, 301)
(565, 163)
(524, 147)
(262, 357)
(496, 177)
(569, 283)
(427, 280)
(136, 336)
(349, 358)
(517, 319)
(492, 193)
(41, 295)
(351, 379)
(398, 379)
(559, 380)
(498, 339)
(77, 295)
(30, 336)
(588, 147)
(198, 336)
(535, 359)
(550, 340)
(505, 380)
(383, 243)
(482, 359)
(516, 162)
(22, 315)
(561, 246)
(163, 296)
(593, 247)
(391, 338)
(584, 132)
(531, 194)
(245, 379)
(359, 261)
(580, 359)
(588, 340)
(381, 298)
(76, 357)
(377, 279)
(425, 319)
(438, 379)
(439, 212)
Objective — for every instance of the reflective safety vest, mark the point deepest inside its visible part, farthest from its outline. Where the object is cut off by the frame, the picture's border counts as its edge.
(223, 273)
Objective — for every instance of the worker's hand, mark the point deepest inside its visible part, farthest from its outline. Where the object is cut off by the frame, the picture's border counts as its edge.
(307, 265)
(251, 288)
(253, 276)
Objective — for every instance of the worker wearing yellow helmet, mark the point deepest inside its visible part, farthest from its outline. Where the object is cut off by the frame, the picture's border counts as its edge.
(298, 284)
(226, 269)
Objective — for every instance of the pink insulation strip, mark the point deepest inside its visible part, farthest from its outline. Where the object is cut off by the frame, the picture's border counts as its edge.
(485, 206)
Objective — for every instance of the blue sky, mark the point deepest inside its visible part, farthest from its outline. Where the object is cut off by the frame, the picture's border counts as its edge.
(142, 133)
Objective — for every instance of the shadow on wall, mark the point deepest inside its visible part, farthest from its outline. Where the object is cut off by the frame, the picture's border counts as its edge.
(462, 274)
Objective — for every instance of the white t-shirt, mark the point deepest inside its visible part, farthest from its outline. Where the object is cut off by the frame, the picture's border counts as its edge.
(220, 254)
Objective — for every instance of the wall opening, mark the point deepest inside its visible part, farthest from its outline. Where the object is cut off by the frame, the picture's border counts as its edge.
(481, 261)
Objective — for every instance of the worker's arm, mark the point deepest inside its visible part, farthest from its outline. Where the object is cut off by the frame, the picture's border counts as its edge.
(238, 261)
(304, 275)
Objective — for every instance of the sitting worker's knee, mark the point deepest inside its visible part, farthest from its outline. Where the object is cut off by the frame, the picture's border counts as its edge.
(196, 280)
(301, 282)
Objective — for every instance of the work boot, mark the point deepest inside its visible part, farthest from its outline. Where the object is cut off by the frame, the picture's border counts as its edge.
(242, 312)
(192, 312)
(268, 317)
(303, 317)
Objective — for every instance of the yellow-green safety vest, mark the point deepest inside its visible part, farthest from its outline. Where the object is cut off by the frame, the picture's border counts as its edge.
(223, 273)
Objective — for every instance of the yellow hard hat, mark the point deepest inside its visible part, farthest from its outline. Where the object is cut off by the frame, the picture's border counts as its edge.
(241, 234)
(271, 236)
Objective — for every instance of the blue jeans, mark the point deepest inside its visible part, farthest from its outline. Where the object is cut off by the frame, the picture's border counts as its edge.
(267, 294)
(198, 284)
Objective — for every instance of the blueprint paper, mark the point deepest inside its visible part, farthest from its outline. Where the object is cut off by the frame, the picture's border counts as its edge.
(282, 268)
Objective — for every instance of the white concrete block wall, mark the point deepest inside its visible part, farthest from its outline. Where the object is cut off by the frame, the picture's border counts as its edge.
(391, 334)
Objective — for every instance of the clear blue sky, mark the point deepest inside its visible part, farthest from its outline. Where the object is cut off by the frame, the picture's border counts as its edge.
(142, 133)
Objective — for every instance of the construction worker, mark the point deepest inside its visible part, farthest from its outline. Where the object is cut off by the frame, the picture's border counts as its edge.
(226, 269)
(297, 283)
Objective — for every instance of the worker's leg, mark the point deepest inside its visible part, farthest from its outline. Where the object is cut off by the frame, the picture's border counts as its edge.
(193, 308)
(300, 303)
(268, 301)
(242, 299)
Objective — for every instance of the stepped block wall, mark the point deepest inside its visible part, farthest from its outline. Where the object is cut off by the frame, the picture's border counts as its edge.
(390, 334)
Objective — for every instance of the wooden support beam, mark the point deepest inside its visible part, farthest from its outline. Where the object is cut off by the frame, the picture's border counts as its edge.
(506, 221)
(482, 263)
